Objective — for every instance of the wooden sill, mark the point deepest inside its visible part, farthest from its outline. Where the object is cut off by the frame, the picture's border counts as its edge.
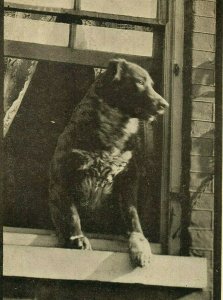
(47, 238)
(106, 266)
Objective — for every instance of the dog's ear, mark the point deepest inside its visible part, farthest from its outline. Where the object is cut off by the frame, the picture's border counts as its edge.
(116, 68)
(113, 73)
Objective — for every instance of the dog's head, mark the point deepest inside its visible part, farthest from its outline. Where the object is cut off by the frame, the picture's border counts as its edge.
(129, 87)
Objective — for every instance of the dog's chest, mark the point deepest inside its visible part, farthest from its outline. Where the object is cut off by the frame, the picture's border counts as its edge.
(106, 166)
(98, 177)
(100, 169)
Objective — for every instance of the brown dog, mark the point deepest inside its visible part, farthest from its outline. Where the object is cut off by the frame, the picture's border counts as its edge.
(94, 175)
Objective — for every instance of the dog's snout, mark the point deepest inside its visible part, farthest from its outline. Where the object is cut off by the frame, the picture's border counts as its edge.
(158, 101)
(162, 103)
(159, 104)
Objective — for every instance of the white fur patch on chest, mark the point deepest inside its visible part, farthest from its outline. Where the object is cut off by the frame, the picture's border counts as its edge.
(132, 126)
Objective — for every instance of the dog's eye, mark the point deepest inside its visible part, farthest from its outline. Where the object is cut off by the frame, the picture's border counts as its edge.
(140, 81)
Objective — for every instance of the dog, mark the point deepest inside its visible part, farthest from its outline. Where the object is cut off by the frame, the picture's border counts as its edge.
(94, 174)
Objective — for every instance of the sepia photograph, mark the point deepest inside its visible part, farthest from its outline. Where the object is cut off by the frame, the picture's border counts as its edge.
(112, 144)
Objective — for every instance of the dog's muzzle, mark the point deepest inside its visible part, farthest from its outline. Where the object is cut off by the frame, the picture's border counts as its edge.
(161, 106)
(157, 106)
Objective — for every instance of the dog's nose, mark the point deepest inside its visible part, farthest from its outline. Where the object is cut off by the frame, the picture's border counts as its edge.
(157, 100)
(162, 103)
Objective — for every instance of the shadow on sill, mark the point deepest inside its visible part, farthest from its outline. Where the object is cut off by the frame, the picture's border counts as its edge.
(23, 288)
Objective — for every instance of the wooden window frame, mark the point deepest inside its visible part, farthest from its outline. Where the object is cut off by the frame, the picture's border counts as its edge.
(172, 141)
(77, 14)
(20, 241)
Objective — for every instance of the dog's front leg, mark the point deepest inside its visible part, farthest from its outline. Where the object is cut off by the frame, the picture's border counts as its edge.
(77, 239)
(139, 247)
(68, 226)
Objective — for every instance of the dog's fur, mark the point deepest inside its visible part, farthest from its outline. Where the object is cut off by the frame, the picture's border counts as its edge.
(94, 175)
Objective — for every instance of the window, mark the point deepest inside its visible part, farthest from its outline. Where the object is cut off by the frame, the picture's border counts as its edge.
(54, 54)
(56, 85)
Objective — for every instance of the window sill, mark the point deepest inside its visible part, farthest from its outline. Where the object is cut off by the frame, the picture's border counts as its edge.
(107, 266)
(47, 238)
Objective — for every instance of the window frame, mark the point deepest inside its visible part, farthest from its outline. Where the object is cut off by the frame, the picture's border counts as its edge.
(173, 87)
(78, 14)
(172, 141)
(93, 58)
(21, 239)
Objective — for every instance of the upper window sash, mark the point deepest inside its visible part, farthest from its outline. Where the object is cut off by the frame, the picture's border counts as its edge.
(131, 11)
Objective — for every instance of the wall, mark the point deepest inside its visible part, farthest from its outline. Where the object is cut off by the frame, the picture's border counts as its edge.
(199, 73)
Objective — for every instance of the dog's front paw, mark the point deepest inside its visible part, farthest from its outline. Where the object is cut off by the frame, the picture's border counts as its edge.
(79, 242)
(140, 251)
